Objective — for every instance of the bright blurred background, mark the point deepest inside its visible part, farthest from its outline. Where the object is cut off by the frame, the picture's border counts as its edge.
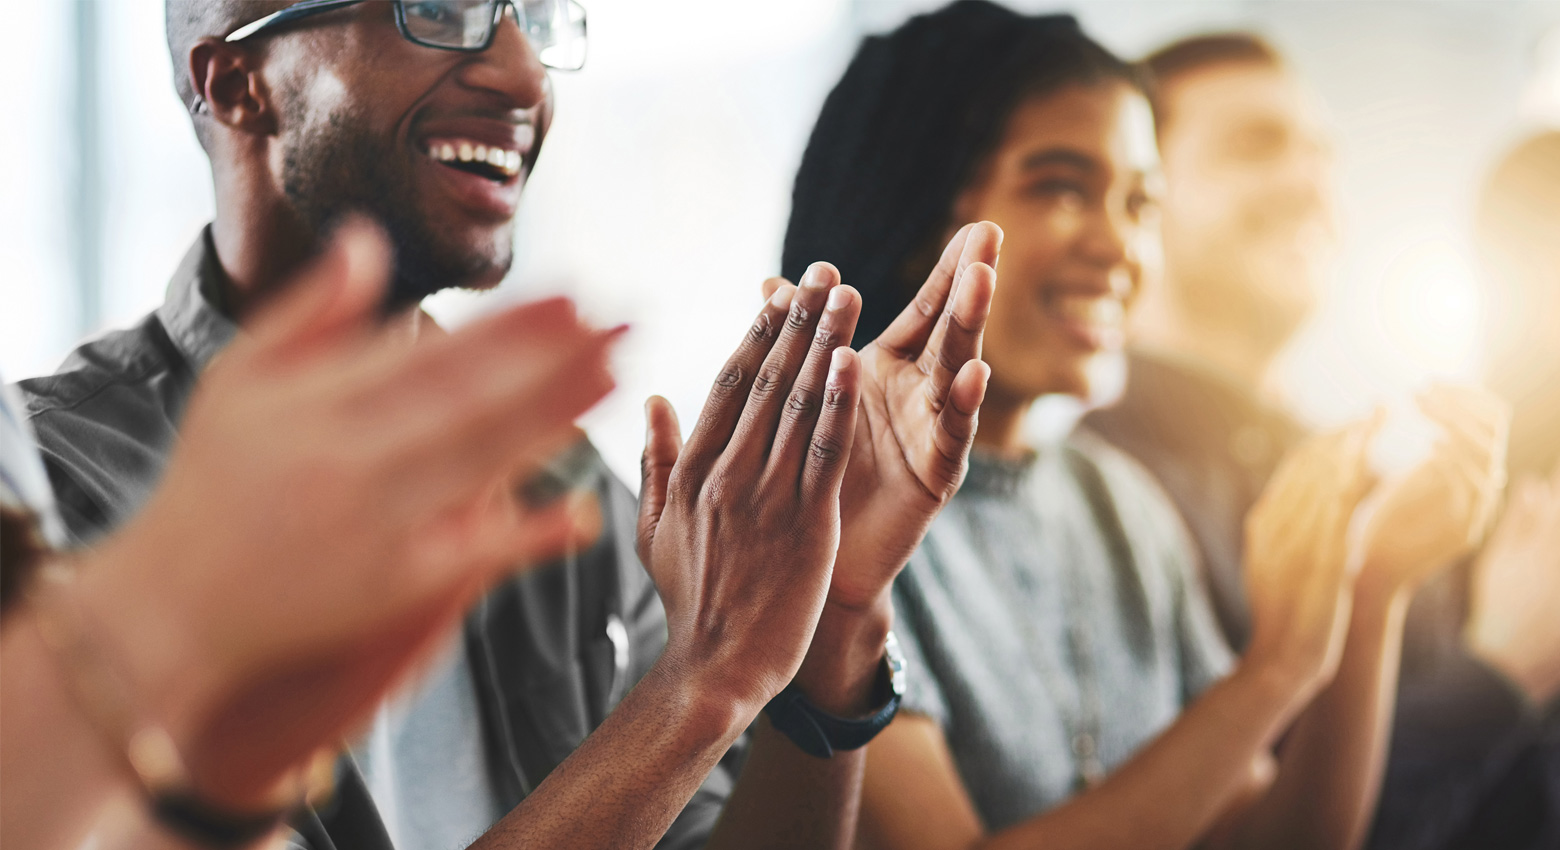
(662, 194)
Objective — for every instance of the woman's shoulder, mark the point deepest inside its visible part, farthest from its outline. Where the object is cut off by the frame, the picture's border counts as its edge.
(1147, 513)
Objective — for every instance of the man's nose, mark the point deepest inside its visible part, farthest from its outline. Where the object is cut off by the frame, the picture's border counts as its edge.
(509, 67)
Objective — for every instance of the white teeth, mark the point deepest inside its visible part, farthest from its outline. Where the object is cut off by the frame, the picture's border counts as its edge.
(507, 161)
(1091, 310)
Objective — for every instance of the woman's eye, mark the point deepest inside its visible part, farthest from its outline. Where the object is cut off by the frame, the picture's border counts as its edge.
(1060, 190)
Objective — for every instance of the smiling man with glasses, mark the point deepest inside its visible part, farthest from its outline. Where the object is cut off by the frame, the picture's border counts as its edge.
(575, 710)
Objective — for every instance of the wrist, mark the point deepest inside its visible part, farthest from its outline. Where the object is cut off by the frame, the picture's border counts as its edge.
(1381, 595)
(708, 705)
(172, 678)
(840, 672)
(1282, 674)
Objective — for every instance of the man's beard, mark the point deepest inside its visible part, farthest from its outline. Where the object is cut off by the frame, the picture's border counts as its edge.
(338, 168)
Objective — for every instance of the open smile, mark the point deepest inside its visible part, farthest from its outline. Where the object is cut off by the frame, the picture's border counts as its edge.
(482, 171)
(498, 163)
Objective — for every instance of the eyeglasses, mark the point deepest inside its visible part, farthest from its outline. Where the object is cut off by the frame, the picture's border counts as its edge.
(555, 28)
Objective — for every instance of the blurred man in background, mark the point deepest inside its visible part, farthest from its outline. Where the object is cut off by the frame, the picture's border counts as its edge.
(1248, 227)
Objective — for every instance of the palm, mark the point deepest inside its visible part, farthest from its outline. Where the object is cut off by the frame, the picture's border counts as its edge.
(922, 383)
(1438, 511)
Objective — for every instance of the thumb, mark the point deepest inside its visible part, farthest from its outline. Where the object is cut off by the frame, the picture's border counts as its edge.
(663, 443)
(337, 292)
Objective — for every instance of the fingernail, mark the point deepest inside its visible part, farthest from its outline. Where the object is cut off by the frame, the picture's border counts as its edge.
(838, 298)
(783, 297)
(840, 359)
(813, 279)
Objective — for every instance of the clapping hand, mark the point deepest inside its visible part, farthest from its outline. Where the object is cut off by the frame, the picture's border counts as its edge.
(1299, 573)
(922, 386)
(1440, 509)
(739, 527)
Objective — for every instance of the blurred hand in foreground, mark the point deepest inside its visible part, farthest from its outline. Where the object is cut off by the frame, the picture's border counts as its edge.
(337, 500)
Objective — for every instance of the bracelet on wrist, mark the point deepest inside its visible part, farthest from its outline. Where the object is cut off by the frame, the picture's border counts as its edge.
(141, 745)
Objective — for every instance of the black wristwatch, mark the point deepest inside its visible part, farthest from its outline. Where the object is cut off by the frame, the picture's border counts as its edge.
(821, 734)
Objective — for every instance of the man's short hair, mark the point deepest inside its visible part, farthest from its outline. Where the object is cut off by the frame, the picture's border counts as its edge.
(1200, 52)
(189, 21)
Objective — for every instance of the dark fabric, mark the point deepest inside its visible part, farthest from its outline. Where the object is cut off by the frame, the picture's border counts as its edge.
(1467, 751)
(553, 651)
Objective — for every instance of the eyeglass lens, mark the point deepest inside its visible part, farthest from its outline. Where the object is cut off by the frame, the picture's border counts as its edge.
(555, 28)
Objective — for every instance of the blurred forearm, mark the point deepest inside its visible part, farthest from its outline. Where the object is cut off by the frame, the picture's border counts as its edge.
(1330, 767)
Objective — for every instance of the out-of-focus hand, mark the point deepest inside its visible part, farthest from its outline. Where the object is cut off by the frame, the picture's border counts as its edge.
(1512, 621)
(1438, 511)
(922, 385)
(1298, 570)
(739, 527)
(337, 499)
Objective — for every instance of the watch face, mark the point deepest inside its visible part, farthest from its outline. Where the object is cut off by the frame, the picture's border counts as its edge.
(896, 664)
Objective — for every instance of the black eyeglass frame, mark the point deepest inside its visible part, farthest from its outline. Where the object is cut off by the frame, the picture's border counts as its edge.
(308, 8)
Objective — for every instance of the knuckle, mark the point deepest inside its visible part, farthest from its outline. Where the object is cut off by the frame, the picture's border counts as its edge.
(730, 376)
(766, 381)
(835, 398)
(763, 329)
(825, 449)
(801, 402)
(826, 339)
(799, 317)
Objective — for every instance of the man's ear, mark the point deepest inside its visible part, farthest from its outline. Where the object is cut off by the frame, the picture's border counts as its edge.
(230, 88)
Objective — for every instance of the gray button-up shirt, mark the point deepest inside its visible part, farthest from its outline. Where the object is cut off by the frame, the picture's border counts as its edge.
(550, 653)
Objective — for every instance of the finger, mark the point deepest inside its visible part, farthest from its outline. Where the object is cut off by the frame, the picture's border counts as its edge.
(982, 248)
(1479, 415)
(542, 537)
(339, 290)
(800, 416)
(499, 538)
(498, 424)
(663, 442)
(956, 424)
(728, 397)
(829, 451)
(756, 429)
(769, 286)
(961, 331)
(907, 334)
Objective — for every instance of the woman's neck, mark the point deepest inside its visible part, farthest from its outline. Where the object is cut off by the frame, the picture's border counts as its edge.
(1001, 430)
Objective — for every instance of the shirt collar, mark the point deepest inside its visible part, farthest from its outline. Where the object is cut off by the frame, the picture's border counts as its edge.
(191, 313)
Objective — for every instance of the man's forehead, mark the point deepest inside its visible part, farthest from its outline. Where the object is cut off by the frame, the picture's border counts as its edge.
(1242, 93)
